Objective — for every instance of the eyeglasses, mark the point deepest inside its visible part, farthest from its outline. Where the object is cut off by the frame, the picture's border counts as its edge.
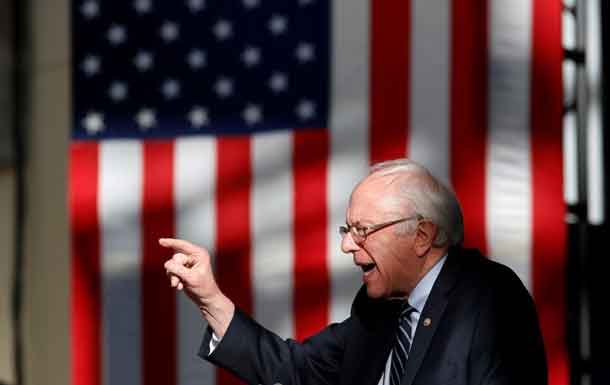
(360, 233)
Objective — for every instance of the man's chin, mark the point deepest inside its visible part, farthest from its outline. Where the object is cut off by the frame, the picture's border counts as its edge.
(373, 292)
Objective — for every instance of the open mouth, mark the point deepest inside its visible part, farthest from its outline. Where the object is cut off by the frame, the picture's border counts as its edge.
(368, 267)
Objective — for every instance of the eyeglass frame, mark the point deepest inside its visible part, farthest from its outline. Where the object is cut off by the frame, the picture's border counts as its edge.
(368, 230)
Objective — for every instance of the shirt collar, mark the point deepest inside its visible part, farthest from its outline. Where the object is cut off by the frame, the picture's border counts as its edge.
(419, 295)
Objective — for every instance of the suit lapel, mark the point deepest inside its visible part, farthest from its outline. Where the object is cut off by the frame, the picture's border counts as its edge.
(431, 316)
(373, 351)
(371, 340)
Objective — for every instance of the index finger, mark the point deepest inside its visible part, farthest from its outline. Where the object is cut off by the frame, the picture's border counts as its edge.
(180, 245)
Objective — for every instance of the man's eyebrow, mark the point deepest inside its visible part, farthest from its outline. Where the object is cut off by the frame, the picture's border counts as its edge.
(360, 223)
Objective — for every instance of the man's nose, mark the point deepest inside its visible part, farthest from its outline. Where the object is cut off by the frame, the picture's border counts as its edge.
(348, 245)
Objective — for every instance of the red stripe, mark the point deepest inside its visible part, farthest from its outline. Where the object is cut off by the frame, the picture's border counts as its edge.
(390, 68)
(469, 114)
(549, 230)
(158, 301)
(233, 262)
(85, 267)
(311, 274)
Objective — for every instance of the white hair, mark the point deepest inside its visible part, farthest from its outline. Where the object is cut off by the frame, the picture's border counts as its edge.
(429, 197)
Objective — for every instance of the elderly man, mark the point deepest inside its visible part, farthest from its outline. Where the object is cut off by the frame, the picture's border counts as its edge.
(429, 312)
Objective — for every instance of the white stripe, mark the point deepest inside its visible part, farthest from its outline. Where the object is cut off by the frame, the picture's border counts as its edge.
(194, 173)
(570, 158)
(509, 206)
(429, 86)
(272, 240)
(568, 37)
(348, 159)
(397, 359)
(395, 375)
(402, 329)
(402, 347)
(568, 29)
(595, 154)
(120, 194)
(570, 135)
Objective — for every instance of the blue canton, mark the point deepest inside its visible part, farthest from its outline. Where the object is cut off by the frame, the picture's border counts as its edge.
(149, 68)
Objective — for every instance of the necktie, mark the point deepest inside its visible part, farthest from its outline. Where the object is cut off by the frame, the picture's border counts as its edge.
(402, 345)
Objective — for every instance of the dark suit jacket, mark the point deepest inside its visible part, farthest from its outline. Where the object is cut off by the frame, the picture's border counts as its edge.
(483, 329)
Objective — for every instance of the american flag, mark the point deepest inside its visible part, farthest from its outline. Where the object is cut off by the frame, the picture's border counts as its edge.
(243, 125)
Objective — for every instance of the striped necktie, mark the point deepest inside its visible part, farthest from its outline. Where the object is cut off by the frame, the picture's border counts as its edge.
(402, 345)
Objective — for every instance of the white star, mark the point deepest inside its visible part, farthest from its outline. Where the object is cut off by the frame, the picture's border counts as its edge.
(195, 5)
(146, 118)
(93, 122)
(143, 61)
(251, 3)
(223, 29)
(169, 31)
(306, 109)
(196, 59)
(91, 65)
(251, 56)
(90, 9)
(170, 89)
(252, 114)
(116, 34)
(198, 117)
(117, 91)
(224, 87)
(305, 52)
(277, 24)
(278, 82)
(142, 6)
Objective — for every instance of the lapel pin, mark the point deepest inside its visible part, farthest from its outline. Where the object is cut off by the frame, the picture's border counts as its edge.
(427, 322)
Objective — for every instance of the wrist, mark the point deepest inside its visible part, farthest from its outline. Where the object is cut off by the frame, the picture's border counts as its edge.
(218, 311)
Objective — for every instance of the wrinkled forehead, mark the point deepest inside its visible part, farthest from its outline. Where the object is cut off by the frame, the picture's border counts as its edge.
(376, 197)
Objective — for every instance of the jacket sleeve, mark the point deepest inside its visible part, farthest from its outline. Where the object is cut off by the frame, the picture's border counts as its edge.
(507, 345)
(259, 356)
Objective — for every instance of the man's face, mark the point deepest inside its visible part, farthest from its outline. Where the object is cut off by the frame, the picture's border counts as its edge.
(390, 267)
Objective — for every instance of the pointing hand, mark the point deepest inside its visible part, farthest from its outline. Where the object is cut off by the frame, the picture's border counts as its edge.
(190, 270)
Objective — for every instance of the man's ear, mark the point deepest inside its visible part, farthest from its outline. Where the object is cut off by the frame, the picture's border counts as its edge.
(424, 236)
